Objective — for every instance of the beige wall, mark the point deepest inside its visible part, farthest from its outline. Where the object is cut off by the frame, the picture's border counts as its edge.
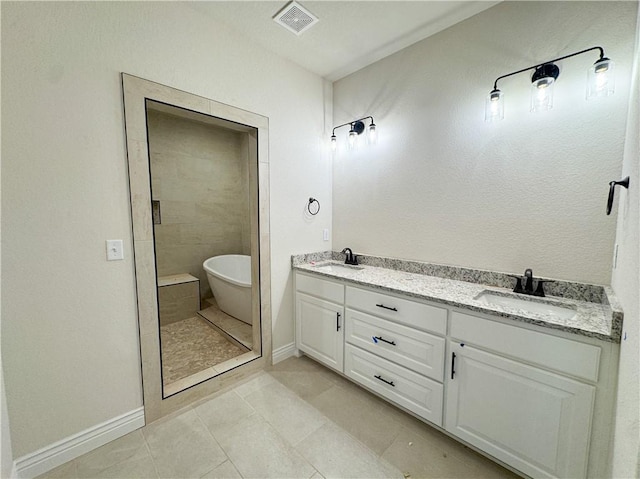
(446, 187)
(6, 455)
(69, 326)
(626, 283)
(199, 173)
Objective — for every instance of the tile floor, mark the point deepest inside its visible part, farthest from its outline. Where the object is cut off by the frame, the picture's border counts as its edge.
(192, 345)
(299, 420)
(238, 330)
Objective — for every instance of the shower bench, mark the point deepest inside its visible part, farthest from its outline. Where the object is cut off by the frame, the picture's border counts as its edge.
(178, 297)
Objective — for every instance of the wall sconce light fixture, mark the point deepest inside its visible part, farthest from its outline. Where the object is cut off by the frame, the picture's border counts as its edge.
(357, 127)
(600, 82)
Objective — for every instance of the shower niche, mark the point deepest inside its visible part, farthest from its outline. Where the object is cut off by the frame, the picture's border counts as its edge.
(198, 174)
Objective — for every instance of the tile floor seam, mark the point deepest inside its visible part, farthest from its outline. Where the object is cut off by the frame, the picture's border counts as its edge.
(362, 447)
(395, 438)
(278, 436)
(211, 470)
(362, 442)
(299, 440)
(153, 461)
(234, 465)
(285, 439)
(347, 433)
(226, 454)
(315, 471)
(375, 408)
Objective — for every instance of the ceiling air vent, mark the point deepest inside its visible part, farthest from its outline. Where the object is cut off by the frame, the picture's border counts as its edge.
(295, 18)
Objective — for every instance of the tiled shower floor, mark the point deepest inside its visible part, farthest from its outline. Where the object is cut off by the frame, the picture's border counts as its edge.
(190, 346)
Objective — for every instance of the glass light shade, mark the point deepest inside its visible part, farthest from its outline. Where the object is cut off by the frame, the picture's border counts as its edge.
(494, 106)
(600, 79)
(373, 134)
(334, 142)
(353, 136)
(542, 94)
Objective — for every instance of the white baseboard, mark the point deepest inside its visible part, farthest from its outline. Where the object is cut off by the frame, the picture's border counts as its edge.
(284, 352)
(56, 454)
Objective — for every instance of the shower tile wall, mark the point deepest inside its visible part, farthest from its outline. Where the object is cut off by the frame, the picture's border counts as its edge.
(199, 173)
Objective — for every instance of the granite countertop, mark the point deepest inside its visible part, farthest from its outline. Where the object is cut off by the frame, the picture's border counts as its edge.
(598, 314)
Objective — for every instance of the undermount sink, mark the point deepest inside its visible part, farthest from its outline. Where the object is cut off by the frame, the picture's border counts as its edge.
(335, 267)
(532, 304)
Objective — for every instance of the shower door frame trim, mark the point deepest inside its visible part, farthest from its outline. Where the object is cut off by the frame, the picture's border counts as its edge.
(135, 93)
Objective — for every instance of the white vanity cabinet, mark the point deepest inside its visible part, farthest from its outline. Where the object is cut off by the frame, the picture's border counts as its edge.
(538, 400)
(320, 319)
(395, 347)
(509, 394)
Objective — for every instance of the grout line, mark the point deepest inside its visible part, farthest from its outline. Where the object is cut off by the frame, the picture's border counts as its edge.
(153, 461)
(212, 437)
(235, 467)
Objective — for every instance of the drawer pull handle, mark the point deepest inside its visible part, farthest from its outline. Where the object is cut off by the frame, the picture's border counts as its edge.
(453, 365)
(337, 321)
(380, 338)
(386, 307)
(390, 383)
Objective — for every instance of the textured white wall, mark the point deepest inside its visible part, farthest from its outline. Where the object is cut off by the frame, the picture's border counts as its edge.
(444, 186)
(69, 332)
(626, 283)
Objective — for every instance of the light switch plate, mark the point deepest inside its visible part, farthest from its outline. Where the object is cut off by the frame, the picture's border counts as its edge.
(115, 250)
(325, 234)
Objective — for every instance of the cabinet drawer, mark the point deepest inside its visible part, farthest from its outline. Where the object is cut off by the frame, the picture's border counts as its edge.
(416, 350)
(401, 386)
(564, 355)
(411, 313)
(320, 288)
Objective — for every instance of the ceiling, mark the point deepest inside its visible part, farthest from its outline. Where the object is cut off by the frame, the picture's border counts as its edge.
(350, 34)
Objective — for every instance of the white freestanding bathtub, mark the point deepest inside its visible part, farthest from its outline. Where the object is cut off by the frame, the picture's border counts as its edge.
(230, 280)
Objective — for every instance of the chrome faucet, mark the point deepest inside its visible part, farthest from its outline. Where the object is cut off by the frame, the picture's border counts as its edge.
(350, 257)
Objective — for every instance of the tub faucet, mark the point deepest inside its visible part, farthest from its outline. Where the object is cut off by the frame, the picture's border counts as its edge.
(350, 257)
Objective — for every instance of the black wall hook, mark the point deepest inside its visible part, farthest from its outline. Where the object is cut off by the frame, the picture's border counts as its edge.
(612, 188)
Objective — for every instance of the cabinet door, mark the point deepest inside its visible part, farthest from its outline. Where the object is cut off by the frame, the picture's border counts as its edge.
(319, 330)
(534, 420)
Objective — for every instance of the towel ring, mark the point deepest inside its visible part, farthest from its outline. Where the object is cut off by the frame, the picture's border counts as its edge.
(309, 207)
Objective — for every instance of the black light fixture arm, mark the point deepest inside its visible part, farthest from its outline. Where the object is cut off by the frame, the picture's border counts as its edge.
(350, 123)
(602, 57)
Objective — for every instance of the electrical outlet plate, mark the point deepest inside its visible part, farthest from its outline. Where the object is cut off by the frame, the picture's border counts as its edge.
(115, 250)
